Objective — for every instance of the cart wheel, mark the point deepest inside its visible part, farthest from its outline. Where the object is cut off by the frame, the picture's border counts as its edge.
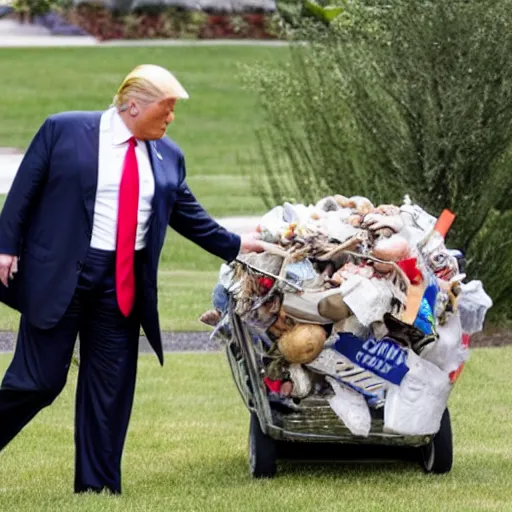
(262, 451)
(437, 456)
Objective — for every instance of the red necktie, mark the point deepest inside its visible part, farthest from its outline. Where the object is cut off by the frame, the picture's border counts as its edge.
(126, 230)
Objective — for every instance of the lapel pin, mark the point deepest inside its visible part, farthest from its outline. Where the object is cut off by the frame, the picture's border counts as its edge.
(159, 156)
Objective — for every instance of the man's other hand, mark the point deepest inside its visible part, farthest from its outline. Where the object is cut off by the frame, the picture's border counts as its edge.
(8, 267)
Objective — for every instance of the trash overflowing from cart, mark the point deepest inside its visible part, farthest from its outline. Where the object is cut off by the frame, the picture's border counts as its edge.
(351, 327)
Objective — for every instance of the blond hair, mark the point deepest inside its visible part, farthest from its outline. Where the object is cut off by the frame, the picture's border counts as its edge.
(148, 83)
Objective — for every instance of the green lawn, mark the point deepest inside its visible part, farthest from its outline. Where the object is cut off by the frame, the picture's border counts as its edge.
(186, 451)
(215, 128)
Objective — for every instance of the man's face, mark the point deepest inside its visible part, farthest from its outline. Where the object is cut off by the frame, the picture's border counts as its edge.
(152, 121)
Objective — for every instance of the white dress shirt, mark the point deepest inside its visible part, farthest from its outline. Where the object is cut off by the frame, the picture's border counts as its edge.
(114, 136)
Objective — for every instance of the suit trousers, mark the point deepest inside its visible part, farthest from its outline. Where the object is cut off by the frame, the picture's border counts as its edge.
(106, 375)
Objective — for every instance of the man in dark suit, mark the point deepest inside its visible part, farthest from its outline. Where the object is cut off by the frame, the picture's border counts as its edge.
(86, 217)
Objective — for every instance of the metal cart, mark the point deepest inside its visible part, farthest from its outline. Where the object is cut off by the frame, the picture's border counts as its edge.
(312, 420)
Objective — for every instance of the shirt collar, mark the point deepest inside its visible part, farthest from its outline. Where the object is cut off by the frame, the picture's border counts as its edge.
(119, 131)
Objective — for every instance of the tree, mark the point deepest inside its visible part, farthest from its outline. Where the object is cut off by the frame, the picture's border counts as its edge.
(388, 98)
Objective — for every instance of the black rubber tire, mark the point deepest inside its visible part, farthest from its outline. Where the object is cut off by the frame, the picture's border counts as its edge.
(262, 451)
(437, 456)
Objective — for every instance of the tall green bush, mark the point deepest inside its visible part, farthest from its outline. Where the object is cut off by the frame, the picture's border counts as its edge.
(388, 98)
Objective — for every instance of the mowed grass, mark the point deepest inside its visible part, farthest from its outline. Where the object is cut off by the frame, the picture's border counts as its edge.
(215, 128)
(186, 451)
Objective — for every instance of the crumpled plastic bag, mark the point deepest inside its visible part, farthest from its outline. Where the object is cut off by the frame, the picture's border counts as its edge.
(301, 272)
(473, 305)
(272, 224)
(368, 299)
(351, 408)
(302, 383)
(417, 222)
(416, 406)
(226, 276)
(330, 362)
(448, 352)
(336, 229)
(298, 213)
(277, 222)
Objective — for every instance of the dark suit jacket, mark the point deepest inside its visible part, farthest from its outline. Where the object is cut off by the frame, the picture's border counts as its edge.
(47, 219)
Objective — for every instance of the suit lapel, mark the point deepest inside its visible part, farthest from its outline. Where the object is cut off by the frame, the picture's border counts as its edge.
(88, 158)
(159, 175)
(158, 220)
(156, 164)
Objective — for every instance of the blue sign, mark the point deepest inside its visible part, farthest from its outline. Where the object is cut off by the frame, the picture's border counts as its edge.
(384, 357)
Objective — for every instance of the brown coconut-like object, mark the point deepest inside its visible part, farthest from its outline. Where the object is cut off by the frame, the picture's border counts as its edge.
(303, 343)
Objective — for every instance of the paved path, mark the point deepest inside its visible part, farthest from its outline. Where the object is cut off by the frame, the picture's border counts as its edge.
(172, 342)
(14, 34)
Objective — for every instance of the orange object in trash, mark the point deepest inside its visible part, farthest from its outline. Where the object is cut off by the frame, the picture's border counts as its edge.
(466, 339)
(444, 222)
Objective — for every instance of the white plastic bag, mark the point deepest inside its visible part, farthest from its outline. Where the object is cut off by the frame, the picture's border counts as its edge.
(351, 408)
(417, 222)
(337, 229)
(416, 406)
(226, 276)
(272, 224)
(473, 305)
(302, 383)
(368, 299)
(448, 352)
(297, 213)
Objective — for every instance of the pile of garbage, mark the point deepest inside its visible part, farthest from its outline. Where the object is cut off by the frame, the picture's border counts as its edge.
(360, 304)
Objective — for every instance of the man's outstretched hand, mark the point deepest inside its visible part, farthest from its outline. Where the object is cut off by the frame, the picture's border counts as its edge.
(8, 267)
(251, 242)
